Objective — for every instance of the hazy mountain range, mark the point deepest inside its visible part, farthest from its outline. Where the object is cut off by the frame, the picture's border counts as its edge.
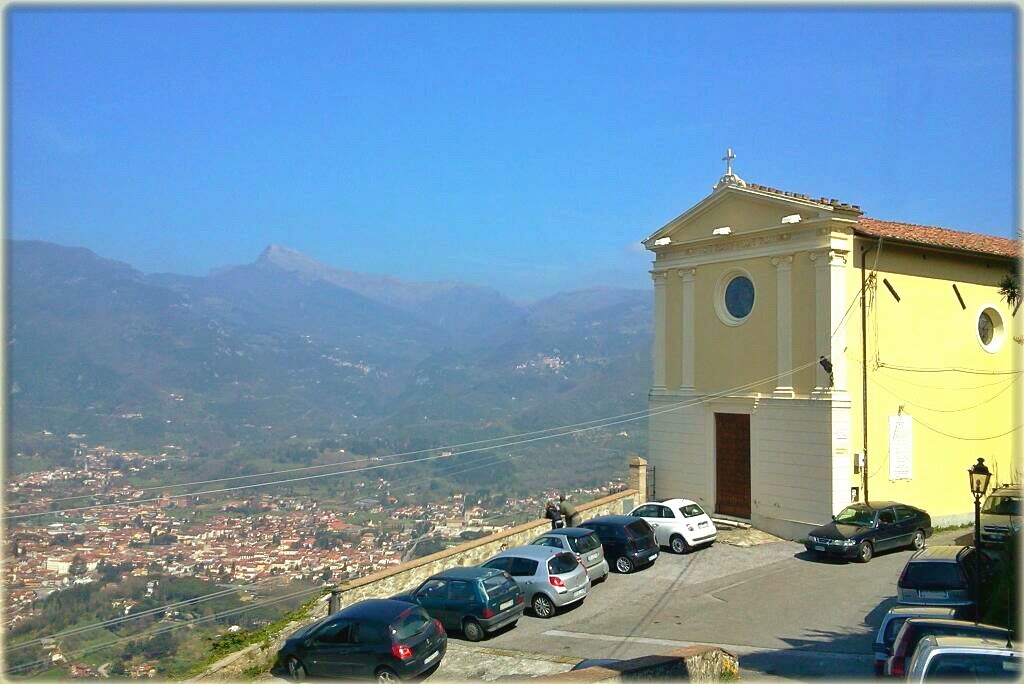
(290, 348)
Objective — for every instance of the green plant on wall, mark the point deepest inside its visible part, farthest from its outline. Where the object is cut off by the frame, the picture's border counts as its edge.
(1009, 289)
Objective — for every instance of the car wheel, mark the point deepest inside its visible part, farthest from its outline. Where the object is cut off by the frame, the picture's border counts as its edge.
(472, 630)
(623, 565)
(386, 675)
(296, 670)
(918, 542)
(864, 552)
(543, 606)
(678, 544)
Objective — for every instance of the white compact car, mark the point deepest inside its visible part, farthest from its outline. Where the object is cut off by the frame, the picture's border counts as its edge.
(679, 524)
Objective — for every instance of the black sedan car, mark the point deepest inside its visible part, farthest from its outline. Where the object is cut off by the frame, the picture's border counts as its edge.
(378, 639)
(475, 601)
(628, 542)
(862, 529)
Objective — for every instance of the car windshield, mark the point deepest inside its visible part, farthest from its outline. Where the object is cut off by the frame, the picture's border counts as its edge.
(584, 544)
(563, 562)
(498, 585)
(638, 529)
(691, 510)
(935, 575)
(1002, 505)
(854, 515)
(409, 624)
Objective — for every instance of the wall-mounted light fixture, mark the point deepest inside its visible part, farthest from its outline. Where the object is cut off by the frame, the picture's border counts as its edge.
(792, 218)
(724, 230)
(663, 241)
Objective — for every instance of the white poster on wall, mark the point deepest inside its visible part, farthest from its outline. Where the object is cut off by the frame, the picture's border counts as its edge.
(901, 447)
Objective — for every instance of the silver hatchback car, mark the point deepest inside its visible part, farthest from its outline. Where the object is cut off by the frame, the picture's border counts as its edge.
(550, 578)
(582, 542)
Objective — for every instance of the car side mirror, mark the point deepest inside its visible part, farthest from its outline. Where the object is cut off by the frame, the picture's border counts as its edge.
(833, 518)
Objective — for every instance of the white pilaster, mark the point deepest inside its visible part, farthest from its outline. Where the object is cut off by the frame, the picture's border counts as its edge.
(822, 320)
(689, 349)
(839, 305)
(660, 328)
(784, 326)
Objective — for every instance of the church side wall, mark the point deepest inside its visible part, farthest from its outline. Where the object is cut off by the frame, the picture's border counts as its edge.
(909, 341)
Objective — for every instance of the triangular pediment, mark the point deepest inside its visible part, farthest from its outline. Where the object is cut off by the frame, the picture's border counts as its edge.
(741, 209)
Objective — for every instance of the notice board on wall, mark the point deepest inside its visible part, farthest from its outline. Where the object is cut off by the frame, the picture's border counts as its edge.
(901, 447)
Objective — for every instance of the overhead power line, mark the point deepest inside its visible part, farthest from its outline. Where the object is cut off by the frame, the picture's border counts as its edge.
(643, 414)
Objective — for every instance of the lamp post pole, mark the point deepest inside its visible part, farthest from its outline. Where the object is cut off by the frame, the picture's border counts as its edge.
(979, 475)
(977, 557)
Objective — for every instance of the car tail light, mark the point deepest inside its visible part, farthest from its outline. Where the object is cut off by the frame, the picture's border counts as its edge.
(401, 651)
(897, 667)
(440, 627)
(519, 599)
(632, 543)
(487, 614)
(903, 576)
(556, 581)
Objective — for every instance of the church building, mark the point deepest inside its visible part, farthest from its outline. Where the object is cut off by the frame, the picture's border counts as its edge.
(807, 356)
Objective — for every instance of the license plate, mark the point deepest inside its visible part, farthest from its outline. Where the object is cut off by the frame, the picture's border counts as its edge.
(592, 556)
(934, 594)
(818, 547)
(432, 657)
(652, 556)
(703, 524)
(506, 605)
(580, 592)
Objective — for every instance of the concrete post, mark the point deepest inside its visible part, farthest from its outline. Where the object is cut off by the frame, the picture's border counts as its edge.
(334, 603)
(638, 478)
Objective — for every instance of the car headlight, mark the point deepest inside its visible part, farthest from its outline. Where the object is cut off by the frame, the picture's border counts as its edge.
(848, 542)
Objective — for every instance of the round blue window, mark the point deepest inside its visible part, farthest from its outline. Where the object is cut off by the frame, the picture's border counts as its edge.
(739, 297)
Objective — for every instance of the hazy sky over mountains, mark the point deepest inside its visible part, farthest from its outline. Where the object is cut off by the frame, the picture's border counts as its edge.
(530, 151)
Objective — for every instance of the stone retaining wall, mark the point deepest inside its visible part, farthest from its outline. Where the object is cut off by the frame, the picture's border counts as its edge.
(407, 576)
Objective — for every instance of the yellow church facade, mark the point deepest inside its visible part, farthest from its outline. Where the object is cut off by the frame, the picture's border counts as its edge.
(771, 310)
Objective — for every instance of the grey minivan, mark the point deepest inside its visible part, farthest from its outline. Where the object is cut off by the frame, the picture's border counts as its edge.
(550, 578)
(582, 542)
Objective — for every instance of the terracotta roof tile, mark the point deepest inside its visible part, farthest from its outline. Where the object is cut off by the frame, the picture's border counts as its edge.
(826, 201)
(938, 237)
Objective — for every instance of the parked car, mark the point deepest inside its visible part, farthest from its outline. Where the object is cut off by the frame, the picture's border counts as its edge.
(679, 524)
(550, 578)
(581, 541)
(474, 601)
(380, 639)
(629, 542)
(893, 620)
(952, 657)
(915, 629)
(938, 576)
(860, 530)
(1001, 514)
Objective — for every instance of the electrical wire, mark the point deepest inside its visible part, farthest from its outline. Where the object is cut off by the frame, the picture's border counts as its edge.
(171, 628)
(952, 410)
(950, 369)
(644, 414)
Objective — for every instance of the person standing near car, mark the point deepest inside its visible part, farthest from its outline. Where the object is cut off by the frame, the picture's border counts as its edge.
(552, 514)
(568, 511)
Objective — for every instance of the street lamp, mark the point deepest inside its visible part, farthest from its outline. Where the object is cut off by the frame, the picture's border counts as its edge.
(979, 475)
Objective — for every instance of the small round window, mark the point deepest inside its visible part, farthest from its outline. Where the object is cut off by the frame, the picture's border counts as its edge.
(990, 329)
(739, 297)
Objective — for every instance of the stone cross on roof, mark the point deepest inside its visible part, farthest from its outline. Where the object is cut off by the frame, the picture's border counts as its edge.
(729, 156)
(729, 178)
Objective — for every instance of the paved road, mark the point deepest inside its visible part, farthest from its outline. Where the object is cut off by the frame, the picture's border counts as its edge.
(782, 613)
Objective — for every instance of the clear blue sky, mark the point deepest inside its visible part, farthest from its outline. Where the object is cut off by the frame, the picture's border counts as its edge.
(528, 150)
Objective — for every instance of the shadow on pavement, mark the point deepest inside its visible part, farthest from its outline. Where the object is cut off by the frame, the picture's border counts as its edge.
(823, 653)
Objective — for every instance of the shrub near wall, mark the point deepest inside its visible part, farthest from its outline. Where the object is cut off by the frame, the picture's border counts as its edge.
(406, 576)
